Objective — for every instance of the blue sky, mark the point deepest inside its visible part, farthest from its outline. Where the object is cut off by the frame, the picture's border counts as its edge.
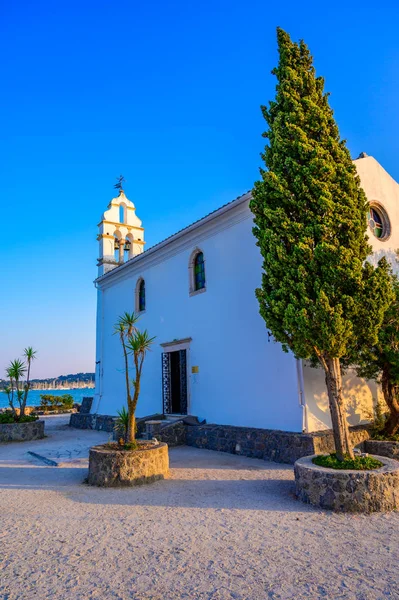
(168, 94)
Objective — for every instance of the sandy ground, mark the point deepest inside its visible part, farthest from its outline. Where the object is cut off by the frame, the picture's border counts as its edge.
(222, 527)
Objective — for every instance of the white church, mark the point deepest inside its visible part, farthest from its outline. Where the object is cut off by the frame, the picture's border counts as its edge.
(195, 292)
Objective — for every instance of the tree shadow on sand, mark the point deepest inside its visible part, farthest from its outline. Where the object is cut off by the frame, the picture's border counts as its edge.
(265, 494)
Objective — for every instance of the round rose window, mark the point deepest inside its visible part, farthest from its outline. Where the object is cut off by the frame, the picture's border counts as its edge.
(378, 222)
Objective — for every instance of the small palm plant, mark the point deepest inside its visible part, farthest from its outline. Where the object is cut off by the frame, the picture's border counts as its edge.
(10, 395)
(135, 343)
(18, 390)
(15, 372)
(122, 422)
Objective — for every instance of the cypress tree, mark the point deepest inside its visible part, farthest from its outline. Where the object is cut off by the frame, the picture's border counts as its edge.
(381, 362)
(319, 296)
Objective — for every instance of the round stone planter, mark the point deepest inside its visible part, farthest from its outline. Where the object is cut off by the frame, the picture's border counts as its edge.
(110, 467)
(348, 491)
(21, 432)
(382, 448)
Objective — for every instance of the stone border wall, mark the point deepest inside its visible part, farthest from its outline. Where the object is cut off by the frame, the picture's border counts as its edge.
(324, 440)
(348, 491)
(382, 448)
(92, 421)
(21, 432)
(105, 422)
(174, 434)
(267, 444)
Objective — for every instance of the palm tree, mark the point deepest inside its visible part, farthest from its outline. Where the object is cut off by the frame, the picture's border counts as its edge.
(30, 356)
(10, 395)
(15, 372)
(137, 344)
(125, 327)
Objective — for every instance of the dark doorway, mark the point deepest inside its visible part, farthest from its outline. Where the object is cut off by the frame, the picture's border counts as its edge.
(174, 382)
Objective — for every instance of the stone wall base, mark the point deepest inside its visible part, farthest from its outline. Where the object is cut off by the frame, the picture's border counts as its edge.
(324, 440)
(267, 444)
(173, 434)
(92, 421)
(382, 448)
(105, 422)
(21, 432)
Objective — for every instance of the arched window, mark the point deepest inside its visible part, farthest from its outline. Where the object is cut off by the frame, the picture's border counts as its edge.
(140, 295)
(197, 272)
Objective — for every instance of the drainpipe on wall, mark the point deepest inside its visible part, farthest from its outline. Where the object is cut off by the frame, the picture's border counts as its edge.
(301, 394)
(99, 361)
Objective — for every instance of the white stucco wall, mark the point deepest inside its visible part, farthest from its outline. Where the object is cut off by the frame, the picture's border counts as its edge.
(243, 378)
(380, 187)
(360, 395)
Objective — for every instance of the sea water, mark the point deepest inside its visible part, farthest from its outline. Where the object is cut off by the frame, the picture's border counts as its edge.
(34, 396)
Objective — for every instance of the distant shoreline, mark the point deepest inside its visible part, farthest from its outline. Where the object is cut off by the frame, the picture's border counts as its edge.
(73, 381)
(34, 396)
(61, 389)
(58, 389)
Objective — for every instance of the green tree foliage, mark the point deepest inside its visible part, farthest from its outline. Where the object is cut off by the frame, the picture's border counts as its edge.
(381, 361)
(318, 295)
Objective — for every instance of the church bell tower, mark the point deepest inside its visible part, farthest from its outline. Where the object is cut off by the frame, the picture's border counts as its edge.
(120, 234)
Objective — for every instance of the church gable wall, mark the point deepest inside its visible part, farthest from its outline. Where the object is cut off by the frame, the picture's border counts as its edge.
(382, 191)
(242, 377)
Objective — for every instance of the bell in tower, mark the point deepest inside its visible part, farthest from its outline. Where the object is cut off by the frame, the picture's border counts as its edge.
(120, 235)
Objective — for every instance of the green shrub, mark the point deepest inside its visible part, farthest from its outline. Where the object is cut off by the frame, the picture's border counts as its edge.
(359, 463)
(380, 436)
(8, 417)
(27, 418)
(52, 402)
(131, 446)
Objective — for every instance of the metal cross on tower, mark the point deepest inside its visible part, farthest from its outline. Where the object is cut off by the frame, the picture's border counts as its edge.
(119, 181)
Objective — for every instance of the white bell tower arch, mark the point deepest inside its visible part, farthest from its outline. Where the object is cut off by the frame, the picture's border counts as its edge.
(120, 234)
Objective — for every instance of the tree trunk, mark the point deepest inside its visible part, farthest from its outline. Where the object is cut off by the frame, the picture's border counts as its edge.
(131, 427)
(337, 408)
(25, 397)
(23, 404)
(391, 397)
